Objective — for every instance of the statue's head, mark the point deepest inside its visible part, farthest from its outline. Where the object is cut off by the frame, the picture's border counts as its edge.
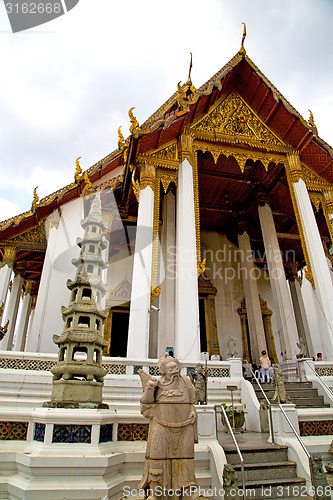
(168, 366)
(199, 368)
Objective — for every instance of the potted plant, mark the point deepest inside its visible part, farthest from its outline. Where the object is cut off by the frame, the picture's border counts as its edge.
(236, 416)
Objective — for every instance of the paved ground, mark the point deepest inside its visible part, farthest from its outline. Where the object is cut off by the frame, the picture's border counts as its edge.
(245, 440)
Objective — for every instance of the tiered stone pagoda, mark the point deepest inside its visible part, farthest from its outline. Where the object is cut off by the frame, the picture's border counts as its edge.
(78, 375)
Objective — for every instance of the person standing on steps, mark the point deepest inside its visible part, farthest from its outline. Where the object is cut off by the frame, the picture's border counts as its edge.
(265, 364)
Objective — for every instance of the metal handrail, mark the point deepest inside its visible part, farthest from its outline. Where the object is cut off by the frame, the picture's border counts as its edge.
(302, 445)
(267, 401)
(238, 450)
(320, 378)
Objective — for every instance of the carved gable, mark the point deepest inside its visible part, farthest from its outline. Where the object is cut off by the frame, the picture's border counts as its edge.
(233, 117)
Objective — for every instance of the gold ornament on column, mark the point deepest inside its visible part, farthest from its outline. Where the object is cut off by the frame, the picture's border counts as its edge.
(147, 176)
(8, 257)
(294, 174)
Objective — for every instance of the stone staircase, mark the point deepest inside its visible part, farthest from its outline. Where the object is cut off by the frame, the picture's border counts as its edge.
(268, 472)
(301, 393)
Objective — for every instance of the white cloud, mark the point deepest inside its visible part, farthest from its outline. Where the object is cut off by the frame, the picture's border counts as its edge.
(8, 209)
(66, 86)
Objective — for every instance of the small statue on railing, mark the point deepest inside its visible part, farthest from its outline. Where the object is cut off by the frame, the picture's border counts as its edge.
(320, 484)
(199, 380)
(280, 395)
(232, 347)
(230, 482)
(303, 349)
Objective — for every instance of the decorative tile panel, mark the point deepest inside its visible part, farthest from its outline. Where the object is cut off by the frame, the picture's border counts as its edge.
(71, 434)
(133, 432)
(115, 369)
(26, 364)
(316, 428)
(153, 370)
(39, 433)
(13, 431)
(219, 372)
(136, 369)
(325, 371)
(105, 433)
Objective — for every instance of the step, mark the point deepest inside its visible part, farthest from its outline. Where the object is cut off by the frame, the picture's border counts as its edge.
(276, 488)
(269, 470)
(307, 393)
(272, 454)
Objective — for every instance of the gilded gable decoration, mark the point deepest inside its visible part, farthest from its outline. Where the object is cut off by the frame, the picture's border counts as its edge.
(34, 239)
(232, 117)
(166, 156)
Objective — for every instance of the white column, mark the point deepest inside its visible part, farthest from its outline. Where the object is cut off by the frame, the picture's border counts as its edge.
(6, 272)
(166, 326)
(323, 291)
(138, 330)
(253, 309)
(187, 335)
(11, 312)
(285, 317)
(24, 317)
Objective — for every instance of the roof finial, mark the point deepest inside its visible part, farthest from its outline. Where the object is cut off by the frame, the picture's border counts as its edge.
(35, 200)
(312, 124)
(78, 170)
(189, 81)
(242, 50)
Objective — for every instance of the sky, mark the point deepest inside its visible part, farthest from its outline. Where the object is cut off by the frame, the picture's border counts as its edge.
(67, 85)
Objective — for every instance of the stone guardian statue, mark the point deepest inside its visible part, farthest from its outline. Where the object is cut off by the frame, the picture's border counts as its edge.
(168, 403)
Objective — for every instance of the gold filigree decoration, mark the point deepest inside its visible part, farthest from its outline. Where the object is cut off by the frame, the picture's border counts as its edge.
(8, 256)
(186, 146)
(134, 127)
(155, 292)
(293, 160)
(34, 238)
(316, 200)
(156, 232)
(147, 176)
(201, 266)
(240, 155)
(327, 204)
(233, 117)
(313, 181)
(136, 188)
(78, 171)
(197, 212)
(35, 200)
(167, 177)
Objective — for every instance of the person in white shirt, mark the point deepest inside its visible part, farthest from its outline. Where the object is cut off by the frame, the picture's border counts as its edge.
(265, 365)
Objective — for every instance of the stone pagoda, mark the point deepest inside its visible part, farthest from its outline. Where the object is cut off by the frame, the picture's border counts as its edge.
(78, 375)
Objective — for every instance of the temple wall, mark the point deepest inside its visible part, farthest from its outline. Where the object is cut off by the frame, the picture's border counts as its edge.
(223, 267)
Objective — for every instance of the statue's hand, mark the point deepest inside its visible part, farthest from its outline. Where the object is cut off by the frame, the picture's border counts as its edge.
(152, 383)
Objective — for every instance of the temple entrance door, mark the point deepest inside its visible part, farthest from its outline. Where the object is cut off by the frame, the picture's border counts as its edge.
(116, 332)
(116, 324)
(267, 321)
(208, 329)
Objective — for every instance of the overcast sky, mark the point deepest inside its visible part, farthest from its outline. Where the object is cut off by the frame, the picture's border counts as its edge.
(67, 86)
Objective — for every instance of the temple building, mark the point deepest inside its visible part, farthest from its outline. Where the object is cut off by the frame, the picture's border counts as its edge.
(217, 216)
(219, 213)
